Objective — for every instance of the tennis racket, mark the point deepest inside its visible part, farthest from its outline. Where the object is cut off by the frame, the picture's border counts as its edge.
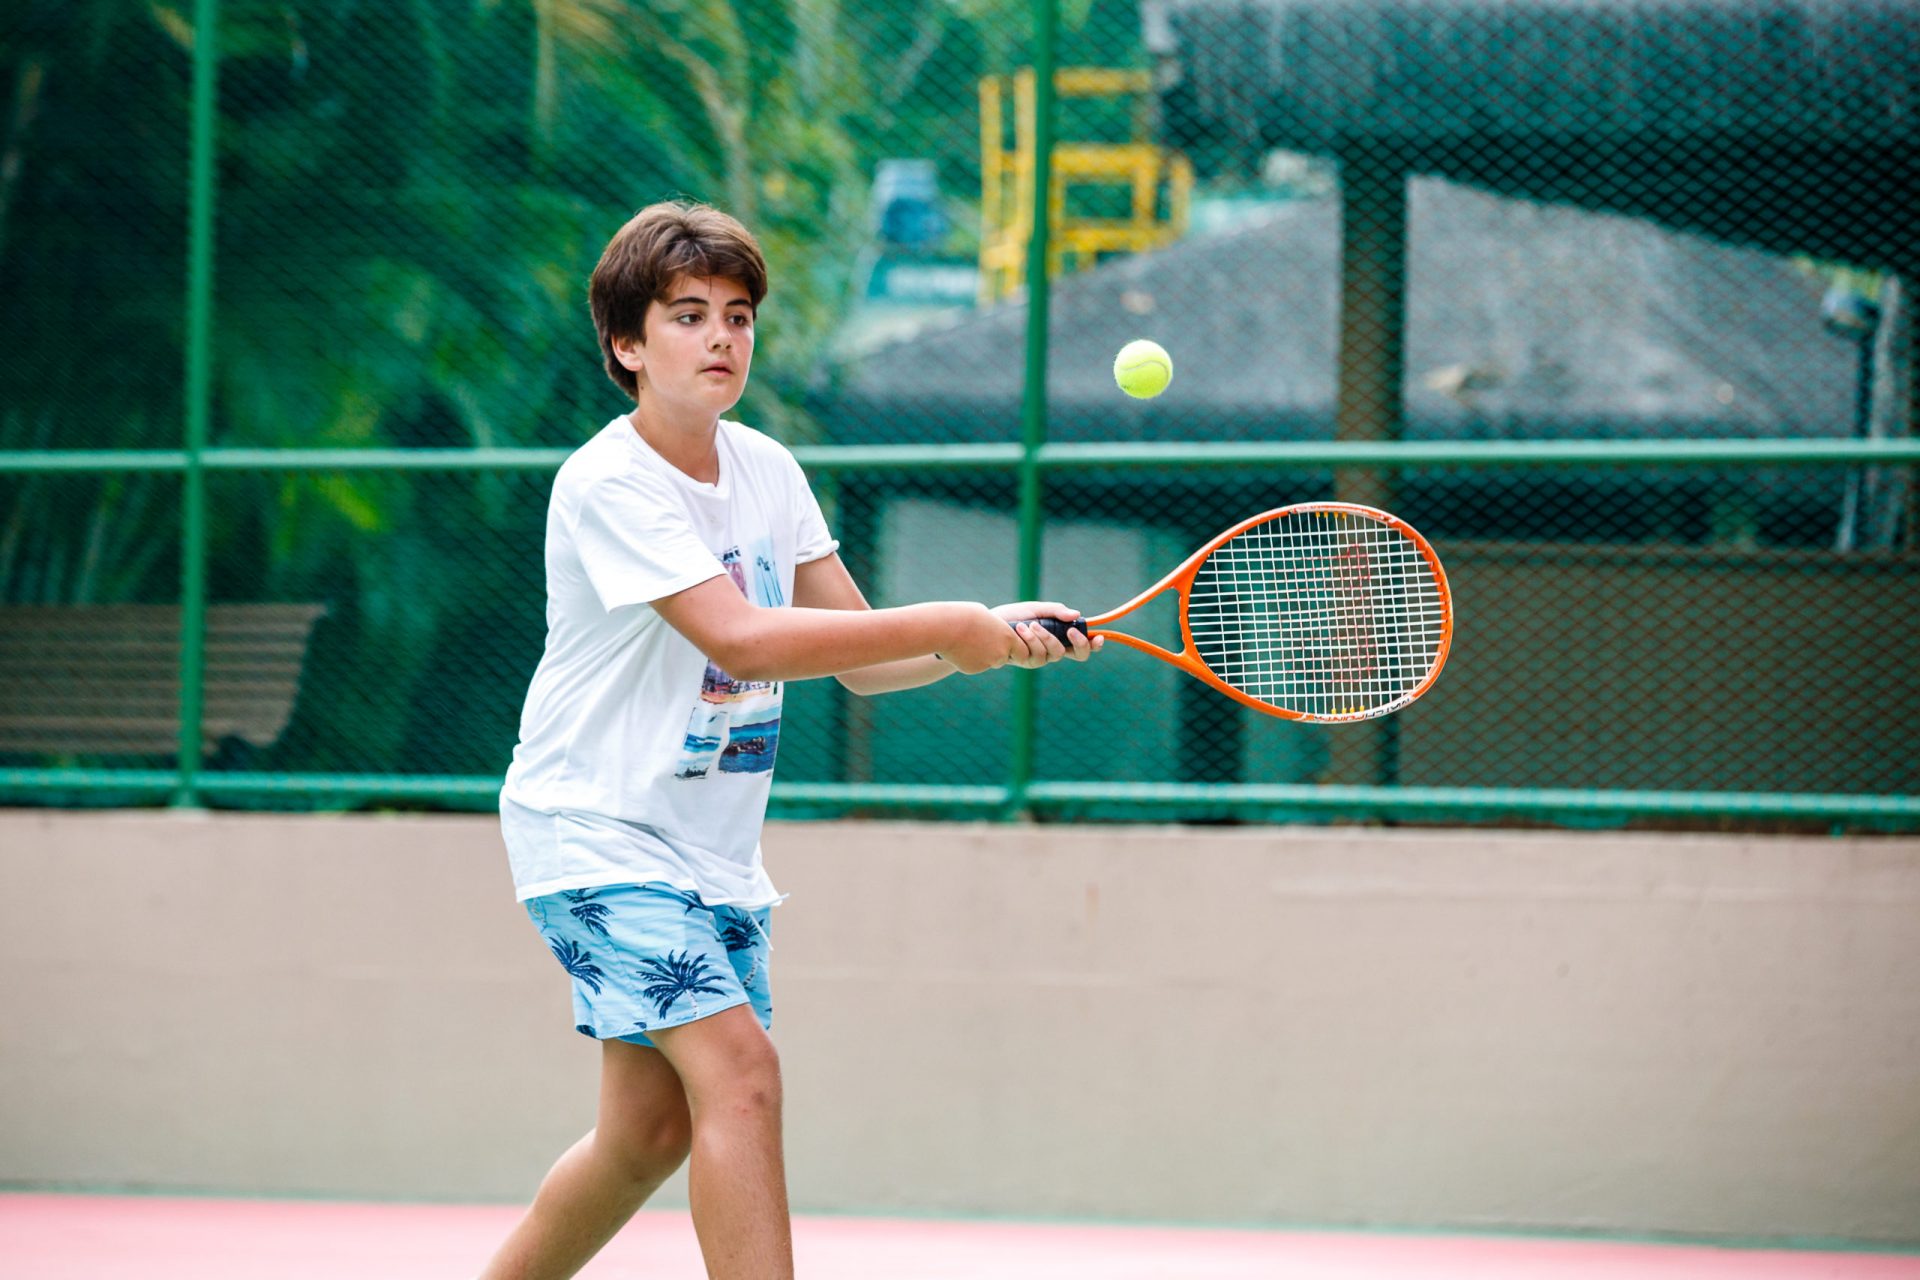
(1325, 612)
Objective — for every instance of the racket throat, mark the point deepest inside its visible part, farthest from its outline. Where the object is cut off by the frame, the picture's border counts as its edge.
(1146, 622)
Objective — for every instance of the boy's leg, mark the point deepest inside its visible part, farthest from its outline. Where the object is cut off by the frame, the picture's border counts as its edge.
(640, 1137)
(738, 1181)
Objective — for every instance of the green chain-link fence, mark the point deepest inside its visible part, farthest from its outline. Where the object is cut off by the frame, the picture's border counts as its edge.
(1612, 300)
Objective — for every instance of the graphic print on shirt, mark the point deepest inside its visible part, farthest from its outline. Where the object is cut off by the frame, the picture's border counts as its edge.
(736, 723)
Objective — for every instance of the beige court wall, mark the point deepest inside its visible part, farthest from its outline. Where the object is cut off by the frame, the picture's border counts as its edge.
(1630, 1033)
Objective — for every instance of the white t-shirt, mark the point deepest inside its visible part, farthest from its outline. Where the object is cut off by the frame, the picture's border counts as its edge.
(626, 722)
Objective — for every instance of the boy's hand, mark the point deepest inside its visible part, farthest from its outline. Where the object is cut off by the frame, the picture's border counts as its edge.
(982, 640)
(1038, 645)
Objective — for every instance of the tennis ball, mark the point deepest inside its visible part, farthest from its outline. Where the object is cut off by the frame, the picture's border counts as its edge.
(1143, 369)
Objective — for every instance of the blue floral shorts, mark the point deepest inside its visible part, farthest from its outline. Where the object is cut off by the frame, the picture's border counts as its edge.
(647, 956)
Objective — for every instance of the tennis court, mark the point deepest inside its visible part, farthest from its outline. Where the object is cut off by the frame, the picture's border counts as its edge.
(157, 1238)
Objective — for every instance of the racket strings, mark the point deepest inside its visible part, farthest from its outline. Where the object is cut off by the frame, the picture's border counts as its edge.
(1321, 612)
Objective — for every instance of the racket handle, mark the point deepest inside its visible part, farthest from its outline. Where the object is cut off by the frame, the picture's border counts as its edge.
(1058, 629)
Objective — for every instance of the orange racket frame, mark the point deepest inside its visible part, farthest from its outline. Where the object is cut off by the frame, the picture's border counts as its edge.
(1189, 660)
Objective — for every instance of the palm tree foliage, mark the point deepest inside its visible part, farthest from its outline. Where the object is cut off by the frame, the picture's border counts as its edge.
(689, 900)
(740, 935)
(679, 973)
(578, 962)
(592, 915)
(410, 197)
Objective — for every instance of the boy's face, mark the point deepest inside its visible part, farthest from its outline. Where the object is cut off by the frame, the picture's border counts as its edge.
(699, 345)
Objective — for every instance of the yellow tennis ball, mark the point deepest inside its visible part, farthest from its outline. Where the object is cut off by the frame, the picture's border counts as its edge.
(1143, 369)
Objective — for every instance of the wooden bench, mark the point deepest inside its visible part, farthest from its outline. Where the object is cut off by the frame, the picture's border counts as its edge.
(87, 679)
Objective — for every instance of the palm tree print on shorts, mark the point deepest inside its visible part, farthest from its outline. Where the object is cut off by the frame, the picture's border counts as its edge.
(687, 899)
(578, 961)
(680, 974)
(589, 913)
(740, 935)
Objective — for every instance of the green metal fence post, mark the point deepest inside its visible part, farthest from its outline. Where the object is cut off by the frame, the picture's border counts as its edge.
(199, 380)
(1033, 397)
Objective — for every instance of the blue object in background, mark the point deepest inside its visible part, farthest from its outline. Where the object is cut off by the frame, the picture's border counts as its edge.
(906, 202)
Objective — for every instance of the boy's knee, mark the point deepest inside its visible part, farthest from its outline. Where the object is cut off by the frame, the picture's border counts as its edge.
(727, 1064)
(748, 1079)
(756, 1069)
(642, 1145)
(756, 1094)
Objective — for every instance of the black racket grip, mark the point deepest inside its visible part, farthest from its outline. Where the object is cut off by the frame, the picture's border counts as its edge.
(1058, 629)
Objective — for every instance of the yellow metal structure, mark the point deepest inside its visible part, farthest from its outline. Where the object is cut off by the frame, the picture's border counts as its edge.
(1158, 180)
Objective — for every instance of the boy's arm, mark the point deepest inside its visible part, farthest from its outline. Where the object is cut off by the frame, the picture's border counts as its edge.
(826, 584)
(754, 643)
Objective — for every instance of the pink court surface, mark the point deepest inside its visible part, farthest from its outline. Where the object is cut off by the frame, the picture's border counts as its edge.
(86, 1237)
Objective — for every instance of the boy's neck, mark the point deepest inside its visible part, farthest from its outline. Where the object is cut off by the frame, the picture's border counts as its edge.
(689, 448)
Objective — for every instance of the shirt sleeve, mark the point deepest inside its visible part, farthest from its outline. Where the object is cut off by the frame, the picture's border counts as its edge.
(636, 544)
(811, 538)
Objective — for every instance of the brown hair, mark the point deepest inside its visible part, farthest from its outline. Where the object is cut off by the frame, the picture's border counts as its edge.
(658, 245)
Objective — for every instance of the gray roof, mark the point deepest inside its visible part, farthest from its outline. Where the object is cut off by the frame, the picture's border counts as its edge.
(1525, 321)
(1788, 123)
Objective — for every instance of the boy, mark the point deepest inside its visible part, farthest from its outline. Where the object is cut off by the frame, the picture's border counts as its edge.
(689, 573)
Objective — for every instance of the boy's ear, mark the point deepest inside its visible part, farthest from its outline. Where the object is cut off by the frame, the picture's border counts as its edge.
(630, 352)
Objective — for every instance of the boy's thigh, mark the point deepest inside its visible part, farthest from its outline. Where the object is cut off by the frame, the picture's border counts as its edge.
(727, 1055)
(642, 1099)
(647, 957)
